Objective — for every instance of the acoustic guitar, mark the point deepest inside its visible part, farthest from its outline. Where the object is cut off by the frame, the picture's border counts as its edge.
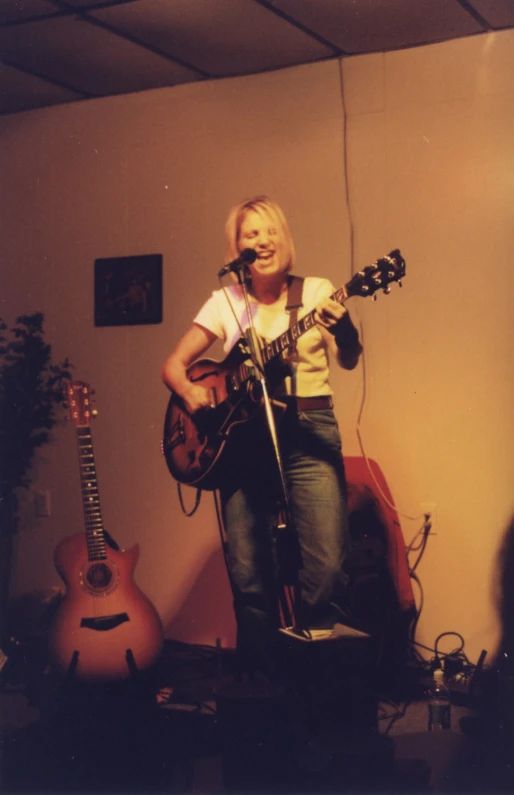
(105, 627)
(194, 445)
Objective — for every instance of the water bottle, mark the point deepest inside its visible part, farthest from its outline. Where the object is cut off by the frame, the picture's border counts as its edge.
(439, 704)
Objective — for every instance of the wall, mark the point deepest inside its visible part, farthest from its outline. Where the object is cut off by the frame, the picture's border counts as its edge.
(429, 140)
(430, 148)
(154, 172)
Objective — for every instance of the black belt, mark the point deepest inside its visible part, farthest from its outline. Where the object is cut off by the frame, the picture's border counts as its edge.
(307, 403)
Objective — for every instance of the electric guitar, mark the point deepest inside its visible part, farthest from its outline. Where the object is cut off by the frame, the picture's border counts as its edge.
(194, 445)
(105, 628)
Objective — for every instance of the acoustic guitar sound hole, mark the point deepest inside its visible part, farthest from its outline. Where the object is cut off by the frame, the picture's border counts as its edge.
(99, 575)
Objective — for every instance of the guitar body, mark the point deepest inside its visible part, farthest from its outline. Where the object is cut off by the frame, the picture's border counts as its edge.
(103, 614)
(193, 445)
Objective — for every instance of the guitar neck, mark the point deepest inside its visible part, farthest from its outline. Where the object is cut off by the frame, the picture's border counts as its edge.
(95, 535)
(289, 337)
(366, 282)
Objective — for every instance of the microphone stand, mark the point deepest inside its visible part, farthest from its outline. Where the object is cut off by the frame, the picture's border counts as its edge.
(285, 538)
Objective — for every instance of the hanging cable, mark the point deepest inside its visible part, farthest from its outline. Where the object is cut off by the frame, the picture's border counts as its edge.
(424, 532)
(197, 501)
(361, 330)
(345, 166)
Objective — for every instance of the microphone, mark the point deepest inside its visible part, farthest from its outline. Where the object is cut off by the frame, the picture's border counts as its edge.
(247, 256)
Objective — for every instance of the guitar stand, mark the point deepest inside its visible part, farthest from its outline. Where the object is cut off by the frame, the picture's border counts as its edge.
(122, 702)
(72, 667)
(129, 657)
(74, 691)
(131, 663)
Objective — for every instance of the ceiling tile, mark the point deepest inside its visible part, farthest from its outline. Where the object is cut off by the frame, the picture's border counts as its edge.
(21, 91)
(78, 49)
(14, 10)
(87, 58)
(85, 4)
(369, 25)
(221, 37)
(499, 13)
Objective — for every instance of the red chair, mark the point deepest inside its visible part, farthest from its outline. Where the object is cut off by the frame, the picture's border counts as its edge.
(369, 495)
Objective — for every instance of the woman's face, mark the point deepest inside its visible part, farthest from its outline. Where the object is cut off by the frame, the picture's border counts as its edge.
(261, 233)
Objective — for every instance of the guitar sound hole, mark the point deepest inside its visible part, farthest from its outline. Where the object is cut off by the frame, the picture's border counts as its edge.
(99, 575)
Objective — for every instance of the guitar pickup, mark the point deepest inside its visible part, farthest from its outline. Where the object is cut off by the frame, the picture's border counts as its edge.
(104, 623)
(176, 435)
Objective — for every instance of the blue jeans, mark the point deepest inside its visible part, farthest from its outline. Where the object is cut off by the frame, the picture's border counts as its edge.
(311, 453)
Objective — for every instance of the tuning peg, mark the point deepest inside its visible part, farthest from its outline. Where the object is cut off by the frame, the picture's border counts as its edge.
(387, 290)
(94, 412)
(400, 283)
(374, 296)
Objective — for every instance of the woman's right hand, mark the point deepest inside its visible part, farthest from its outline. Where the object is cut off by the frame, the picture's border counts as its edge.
(174, 371)
(196, 398)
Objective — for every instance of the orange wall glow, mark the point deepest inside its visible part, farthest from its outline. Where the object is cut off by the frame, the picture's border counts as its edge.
(429, 153)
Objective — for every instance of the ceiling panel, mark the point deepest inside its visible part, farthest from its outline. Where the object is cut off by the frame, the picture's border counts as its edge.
(22, 91)
(221, 37)
(81, 48)
(12, 11)
(373, 25)
(85, 4)
(87, 58)
(499, 13)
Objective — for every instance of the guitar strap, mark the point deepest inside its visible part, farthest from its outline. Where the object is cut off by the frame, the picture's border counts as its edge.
(294, 303)
(294, 297)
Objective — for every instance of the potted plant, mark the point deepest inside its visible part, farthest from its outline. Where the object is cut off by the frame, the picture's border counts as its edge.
(31, 388)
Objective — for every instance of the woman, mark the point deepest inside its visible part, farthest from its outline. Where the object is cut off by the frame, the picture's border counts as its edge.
(309, 438)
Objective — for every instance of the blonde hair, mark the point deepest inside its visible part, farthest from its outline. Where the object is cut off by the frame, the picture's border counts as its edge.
(237, 215)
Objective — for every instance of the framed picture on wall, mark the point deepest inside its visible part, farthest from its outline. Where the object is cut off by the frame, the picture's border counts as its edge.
(128, 290)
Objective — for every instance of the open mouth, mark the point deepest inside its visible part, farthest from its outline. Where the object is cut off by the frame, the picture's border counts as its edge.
(266, 256)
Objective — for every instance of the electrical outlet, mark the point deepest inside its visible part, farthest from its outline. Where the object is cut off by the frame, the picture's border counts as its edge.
(43, 503)
(430, 509)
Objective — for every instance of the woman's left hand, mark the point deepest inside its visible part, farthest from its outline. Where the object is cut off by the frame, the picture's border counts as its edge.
(329, 313)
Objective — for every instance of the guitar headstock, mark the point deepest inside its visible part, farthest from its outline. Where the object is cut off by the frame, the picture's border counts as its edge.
(80, 403)
(378, 275)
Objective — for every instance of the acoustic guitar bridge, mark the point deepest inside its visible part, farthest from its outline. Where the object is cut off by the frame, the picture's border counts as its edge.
(103, 623)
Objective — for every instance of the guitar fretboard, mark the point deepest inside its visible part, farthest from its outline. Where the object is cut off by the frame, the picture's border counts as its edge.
(95, 537)
(289, 337)
(376, 276)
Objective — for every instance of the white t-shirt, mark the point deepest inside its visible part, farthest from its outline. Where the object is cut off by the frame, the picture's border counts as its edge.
(311, 361)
